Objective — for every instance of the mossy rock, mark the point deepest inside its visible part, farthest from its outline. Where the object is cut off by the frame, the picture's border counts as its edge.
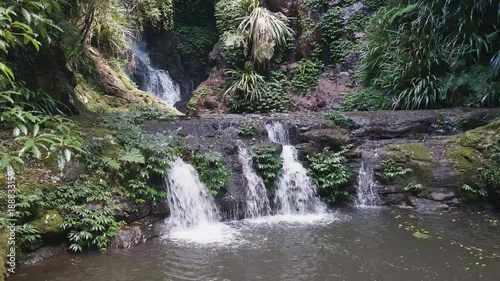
(48, 223)
(466, 161)
(4, 248)
(481, 138)
(415, 156)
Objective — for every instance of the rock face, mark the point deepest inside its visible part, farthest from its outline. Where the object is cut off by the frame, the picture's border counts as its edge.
(136, 233)
(420, 141)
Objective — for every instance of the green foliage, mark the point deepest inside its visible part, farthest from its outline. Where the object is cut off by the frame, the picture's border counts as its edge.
(232, 48)
(305, 75)
(340, 119)
(227, 13)
(213, 171)
(195, 41)
(367, 99)
(333, 24)
(414, 188)
(339, 49)
(330, 172)
(155, 13)
(245, 131)
(468, 189)
(267, 162)
(392, 170)
(87, 207)
(274, 98)
(375, 4)
(265, 32)
(246, 82)
(419, 54)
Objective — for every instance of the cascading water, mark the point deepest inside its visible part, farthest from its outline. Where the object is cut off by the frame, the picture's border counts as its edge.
(194, 217)
(190, 203)
(257, 202)
(367, 195)
(156, 81)
(295, 194)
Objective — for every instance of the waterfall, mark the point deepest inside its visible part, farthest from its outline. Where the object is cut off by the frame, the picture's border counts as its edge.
(295, 194)
(156, 81)
(257, 201)
(190, 203)
(367, 195)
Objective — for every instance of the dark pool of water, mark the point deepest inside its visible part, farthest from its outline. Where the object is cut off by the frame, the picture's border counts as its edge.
(354, 245)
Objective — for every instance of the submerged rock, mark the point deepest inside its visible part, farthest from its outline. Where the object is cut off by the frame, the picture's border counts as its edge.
(426, 205)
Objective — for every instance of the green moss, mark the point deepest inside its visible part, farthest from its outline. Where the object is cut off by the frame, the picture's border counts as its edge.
(416, 151)
(466, 161)
(49, 223)
(415, 156)
(480, 138)
(3, 253)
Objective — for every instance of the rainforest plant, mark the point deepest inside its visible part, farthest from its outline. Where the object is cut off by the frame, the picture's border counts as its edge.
(330, 173)
(213, 171)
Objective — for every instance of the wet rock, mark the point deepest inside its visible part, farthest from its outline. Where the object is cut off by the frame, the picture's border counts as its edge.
(426, 205)
(42, 254)
(135, 233)
(327, 137)
(350, 10)
(394, 199)
(441, 196)
(344, 78)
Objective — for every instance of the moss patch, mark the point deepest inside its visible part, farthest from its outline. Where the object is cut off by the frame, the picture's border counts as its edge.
(4, 247)
(466, 161)
(481, 138)
(415, 156)
(49, 223)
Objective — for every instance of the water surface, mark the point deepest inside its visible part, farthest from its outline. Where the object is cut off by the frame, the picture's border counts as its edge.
(354, 245)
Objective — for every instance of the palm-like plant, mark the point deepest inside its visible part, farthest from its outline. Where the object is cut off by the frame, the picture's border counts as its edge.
(246, 81)
(264, 31)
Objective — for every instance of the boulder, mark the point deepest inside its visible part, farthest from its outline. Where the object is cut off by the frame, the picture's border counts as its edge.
(426, 205)
(441, 196)
(135, 233)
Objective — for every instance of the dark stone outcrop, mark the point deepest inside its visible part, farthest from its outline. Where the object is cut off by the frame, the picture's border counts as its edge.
(137, 232)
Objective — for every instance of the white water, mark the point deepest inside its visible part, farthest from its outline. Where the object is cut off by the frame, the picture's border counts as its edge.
(367, 195)
(194, 216)
(158, 82)
(295, 193)
(257, 201)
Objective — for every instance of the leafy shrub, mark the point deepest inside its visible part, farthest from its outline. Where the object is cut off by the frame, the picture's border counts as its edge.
(245, 131)
(391, 170)
(367, 99)
(246, 82)
(274, 99)
(227, 12)
(305, 75)
(232, 48)
(340, 119)
(333, 24)
(330, 172)
(339, 50)
(195, 41)
(267, 162)
(418, 75)
(87, 208)
(213, 171)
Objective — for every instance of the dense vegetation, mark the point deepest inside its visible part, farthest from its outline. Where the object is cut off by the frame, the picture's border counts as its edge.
(61, 58)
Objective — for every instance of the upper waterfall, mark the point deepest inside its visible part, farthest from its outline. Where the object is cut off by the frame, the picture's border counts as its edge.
(156, 81)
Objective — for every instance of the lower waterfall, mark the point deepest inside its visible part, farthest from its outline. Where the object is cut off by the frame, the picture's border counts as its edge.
(193, 213)
(295, 193)
(257, 201)
(367, 195)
